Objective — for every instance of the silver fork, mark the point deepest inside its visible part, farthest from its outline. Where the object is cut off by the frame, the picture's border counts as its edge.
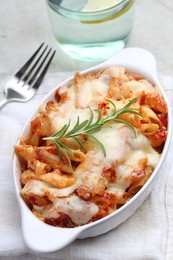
(23, 85)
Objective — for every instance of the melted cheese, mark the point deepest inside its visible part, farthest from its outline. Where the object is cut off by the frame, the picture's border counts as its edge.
(138, 86)
(92, 89)
(123, 151)
(117, 188)
(42, 188)
(141, 143)
(80, 211)
(89, 173)
(114, 137)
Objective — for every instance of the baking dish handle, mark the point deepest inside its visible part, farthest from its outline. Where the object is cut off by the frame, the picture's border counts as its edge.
(37, 234)
(137, 59)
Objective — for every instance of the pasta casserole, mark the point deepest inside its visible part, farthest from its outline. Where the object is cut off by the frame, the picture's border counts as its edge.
(93, 147)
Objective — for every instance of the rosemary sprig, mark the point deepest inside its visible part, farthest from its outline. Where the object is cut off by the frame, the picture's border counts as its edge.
(88, 128)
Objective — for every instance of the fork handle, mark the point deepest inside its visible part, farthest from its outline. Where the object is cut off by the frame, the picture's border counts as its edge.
(3, 102)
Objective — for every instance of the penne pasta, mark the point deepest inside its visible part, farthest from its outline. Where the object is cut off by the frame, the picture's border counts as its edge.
(27, 152)
(149, 129)
(148, 113)
(93, 147)
(57, 179)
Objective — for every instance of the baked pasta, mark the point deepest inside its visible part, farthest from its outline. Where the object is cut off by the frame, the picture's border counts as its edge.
(72, 180)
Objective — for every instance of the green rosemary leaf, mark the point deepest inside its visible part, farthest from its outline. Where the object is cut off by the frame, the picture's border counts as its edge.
(88, 128)
(58, 134)
(114, 106)
(130, 103)
(93, 129)
(64, 130)
(78, 128)
(58, 147)
(90, 118)
(126, 123)
(99, 144)
(98, 116)
(134, 112)
(79, 141)
(68, 159)
(66, 148)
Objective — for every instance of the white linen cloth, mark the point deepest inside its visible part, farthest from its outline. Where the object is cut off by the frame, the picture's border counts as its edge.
(147, 235)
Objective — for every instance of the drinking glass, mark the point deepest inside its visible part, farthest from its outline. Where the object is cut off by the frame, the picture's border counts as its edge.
(94, 35)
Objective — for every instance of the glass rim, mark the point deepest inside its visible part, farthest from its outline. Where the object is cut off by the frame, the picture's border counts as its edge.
(91, 13)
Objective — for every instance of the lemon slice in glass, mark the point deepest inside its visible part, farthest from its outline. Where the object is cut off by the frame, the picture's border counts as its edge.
(97, 5)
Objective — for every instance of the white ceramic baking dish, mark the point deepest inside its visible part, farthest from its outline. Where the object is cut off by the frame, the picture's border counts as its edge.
(41, 237)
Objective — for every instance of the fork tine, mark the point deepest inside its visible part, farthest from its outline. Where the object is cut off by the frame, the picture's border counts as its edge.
(26, 65)
(34, 65)
(40, 78)
(38, 69)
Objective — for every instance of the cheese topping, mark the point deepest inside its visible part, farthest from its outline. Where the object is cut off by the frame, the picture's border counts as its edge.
(79, 210)
(98, 184)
